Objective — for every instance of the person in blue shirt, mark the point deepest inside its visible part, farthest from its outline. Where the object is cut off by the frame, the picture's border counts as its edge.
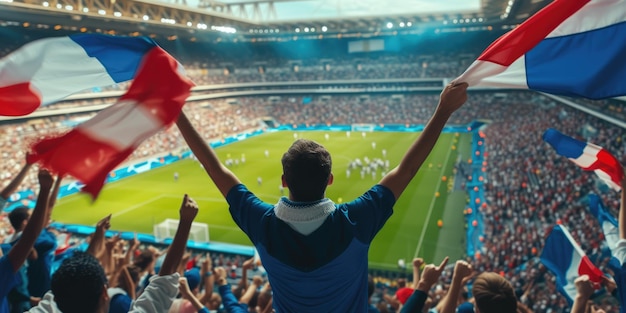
(39, 269)
(15, 258)
(315, 251)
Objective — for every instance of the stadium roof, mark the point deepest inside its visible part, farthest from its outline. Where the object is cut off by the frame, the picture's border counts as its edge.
(303, 10)
(263, 20)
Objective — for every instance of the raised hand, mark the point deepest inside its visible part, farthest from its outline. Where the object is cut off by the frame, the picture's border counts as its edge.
(45, 179)
(188, 209)
(452, 97)
(462, 270)
(431, 274)
(584, 286)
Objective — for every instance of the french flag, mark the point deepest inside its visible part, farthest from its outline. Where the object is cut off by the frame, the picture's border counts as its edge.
(96, 147)
(610, 227)
(570, 47)
(48, 70)
(587, 156)
(567, 261)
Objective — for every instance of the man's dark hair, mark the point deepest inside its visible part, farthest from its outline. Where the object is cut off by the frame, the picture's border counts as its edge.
(18, 216)
(307, 166)
(493, 294)
(78, 284)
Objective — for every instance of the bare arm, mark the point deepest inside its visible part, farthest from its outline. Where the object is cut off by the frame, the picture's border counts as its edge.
(188, 295)
(208, 278)
(188, 211)
(417, 263)
(96, 245)
(247, 264)
(462, 270)
(133, 244)
(20, 251)
(17, 180)
(452, 97)
(584, 290)
(55, 192)
(223, 178)
(257, 281)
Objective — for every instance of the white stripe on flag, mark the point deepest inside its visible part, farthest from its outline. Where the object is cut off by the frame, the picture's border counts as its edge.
(488, 74)
(588, 157)
(45, 64)
(132, 123)
(586, 18)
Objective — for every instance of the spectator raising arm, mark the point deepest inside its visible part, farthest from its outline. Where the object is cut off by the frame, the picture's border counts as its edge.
(162, 289)
(462, 270)
(430, 275)
(96, 245)
(17, 255)
(223, 178)
(452, 97)
(584, 290)
(186, 293)
(15, 182)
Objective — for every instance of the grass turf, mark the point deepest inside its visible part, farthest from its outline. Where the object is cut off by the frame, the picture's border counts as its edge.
(139, 202)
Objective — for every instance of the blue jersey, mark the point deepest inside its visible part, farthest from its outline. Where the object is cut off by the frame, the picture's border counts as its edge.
(8, 280)
(323, 269)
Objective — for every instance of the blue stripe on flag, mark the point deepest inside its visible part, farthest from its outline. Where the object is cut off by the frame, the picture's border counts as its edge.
(564, 145)
(557, 254)
(120, 56)
(589, 64)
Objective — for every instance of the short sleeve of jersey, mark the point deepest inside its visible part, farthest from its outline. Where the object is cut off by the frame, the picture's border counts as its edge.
(369, 212)
(8, 278)
(247, 210)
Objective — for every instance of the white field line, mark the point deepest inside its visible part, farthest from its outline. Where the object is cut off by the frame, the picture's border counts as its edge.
(432, 203)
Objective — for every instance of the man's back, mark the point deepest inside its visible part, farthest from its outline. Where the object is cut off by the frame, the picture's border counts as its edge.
(321, 271)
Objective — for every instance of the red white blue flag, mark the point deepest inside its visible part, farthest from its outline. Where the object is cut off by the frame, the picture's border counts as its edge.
(93, 149)
(48, 70)
(567, 261)
(570, 47)
(587, 156)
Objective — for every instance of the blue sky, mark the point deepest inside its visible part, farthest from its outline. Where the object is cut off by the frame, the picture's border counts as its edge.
(314, 9)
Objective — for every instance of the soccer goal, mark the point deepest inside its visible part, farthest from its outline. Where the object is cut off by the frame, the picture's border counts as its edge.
(167, 229)
(363, 127)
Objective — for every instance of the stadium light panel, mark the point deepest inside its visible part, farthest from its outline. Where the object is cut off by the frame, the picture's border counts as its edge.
(69, 7)
(59, 6)
(409, 24)
(306, 29)
(297, 30)
(45, 4)
(85, 10)
(102, 12)
(389, 25)
(117, 14)
(324, 28)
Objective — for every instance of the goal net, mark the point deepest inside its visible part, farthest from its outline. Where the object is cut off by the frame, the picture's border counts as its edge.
(167, 229)
(363, 127)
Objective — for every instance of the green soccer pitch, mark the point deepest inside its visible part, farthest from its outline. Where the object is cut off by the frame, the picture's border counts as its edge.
(141, 201)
